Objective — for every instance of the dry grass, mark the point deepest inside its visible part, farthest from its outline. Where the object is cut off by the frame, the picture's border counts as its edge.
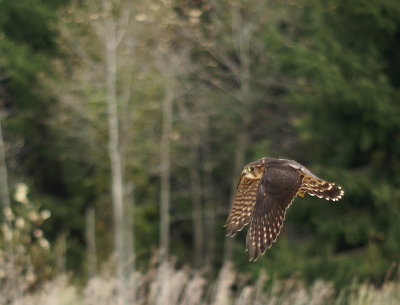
(170, 286)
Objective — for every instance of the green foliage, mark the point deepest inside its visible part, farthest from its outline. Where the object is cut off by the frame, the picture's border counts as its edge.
(27, 33)
(348, 119)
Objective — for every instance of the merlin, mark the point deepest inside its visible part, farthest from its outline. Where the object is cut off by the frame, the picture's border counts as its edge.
(265, 191)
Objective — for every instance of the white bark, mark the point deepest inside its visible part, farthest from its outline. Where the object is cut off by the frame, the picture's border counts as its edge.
(165, 175)
(165, 168)
(114, 152)
(130, 233)
(111, 30)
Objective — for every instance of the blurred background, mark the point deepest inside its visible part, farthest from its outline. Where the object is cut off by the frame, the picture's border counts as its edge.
(125, 126)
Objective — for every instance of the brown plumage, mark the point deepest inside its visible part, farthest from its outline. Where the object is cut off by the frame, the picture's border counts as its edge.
(265, 190)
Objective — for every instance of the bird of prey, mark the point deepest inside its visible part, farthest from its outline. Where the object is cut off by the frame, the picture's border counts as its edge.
(265, 190)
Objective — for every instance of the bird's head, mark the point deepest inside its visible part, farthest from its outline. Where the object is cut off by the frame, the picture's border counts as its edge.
(254, 171)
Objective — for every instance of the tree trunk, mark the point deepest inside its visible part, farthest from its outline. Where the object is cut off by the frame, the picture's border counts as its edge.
(5, 205)
(111, 30)
(165, 173)
(115, 156)
(130, 234)
(165, 169)
(208, 195)
(91, 241)
(197, 211)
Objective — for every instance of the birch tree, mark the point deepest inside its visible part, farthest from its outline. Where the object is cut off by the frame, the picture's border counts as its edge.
(171, 61)
(165, 161)
(111, 23)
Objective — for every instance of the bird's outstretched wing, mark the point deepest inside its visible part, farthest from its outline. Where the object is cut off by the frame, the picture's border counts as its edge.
(243, 205)
(276, 191)
(315, 186)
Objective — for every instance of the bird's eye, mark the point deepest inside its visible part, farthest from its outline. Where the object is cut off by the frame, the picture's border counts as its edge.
(251, 168)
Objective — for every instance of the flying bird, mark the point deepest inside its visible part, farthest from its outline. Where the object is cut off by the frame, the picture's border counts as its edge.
(265, 190)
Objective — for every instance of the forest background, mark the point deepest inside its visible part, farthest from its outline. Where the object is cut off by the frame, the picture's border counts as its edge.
(125, 125)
